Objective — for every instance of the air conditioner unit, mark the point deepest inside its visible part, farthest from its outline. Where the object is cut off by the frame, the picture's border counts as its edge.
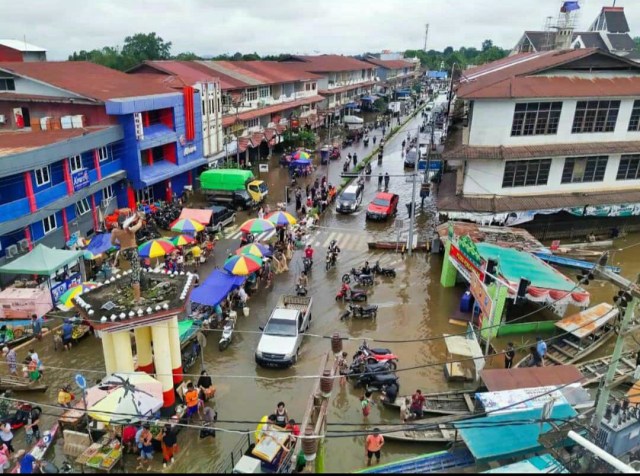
(12, 251)
(23, 244)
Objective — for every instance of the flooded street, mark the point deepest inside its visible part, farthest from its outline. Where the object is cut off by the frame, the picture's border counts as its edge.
(413, 307)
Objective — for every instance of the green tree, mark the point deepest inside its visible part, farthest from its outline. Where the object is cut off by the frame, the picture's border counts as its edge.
(486, 45)
(145, 46)
(636, 40)
(187, 56)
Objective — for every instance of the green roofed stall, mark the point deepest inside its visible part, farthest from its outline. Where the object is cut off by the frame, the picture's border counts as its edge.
(41, 260)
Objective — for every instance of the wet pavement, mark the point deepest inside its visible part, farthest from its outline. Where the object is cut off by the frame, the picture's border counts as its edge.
(412, 306)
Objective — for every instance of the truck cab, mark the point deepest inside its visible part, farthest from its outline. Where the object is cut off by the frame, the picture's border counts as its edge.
(257, 190)
(282, 336)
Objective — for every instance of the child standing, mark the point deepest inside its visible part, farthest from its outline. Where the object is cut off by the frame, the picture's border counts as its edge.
(366, 403)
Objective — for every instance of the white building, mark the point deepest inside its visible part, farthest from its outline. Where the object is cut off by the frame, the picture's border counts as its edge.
(546, 137)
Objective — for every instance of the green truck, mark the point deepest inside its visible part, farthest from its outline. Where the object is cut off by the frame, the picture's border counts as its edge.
(236, 188)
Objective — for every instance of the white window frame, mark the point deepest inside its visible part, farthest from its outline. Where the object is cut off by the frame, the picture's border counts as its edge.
(82, 207)
(255, 122)
(47, 222)
(103, 153)
(107, 192)
(75, 163)
(41, 181)
(145, 195)
(251, 94)
(264, 92)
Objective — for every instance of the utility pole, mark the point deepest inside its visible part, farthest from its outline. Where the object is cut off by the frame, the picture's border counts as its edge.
(426, 36)
(412, 218)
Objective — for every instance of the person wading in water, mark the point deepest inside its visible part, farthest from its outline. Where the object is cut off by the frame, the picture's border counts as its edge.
(125, 235)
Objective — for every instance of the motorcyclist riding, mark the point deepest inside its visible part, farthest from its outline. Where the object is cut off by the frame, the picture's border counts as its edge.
(303, 280)
(308, 253)
(366, 269)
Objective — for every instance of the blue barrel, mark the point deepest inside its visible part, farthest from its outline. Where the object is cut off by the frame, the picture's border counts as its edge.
(466, 302)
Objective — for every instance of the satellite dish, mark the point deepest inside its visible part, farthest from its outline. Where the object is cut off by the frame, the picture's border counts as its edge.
(81, 381)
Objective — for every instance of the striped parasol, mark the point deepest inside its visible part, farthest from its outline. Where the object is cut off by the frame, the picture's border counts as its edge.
(156, 248)
(280, 218)
(254, 249)
(67, 298)
(243, 265)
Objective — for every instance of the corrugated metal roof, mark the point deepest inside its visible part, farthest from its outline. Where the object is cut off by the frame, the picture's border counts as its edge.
(14, 142)
(592, 39)
(328, 63)
(585, 323)
(191, 72)
(265, 72)
(86, 79)
(390, 64)
(22, 46)
(621, 41)
(527, 377)
(616, 19)
(245, 116)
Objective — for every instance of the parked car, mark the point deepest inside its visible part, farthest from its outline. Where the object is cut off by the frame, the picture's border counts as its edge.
(222, 217)
(350, 199)
(383, 206)
(429, 105)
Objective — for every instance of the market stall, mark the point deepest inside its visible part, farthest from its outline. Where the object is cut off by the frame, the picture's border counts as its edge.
(21, 303)
(216, 287)
(102, 455)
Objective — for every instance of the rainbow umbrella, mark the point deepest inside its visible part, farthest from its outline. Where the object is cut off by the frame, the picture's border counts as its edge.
(257, 225)
(242, 265)
(67, 298)
(182, 240)
(254, 249)
(155, 248)
(187, 225)
(279, 218)
(300, 154)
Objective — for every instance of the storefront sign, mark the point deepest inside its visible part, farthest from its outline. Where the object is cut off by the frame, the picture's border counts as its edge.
(59, 289)
(263, 167)
(80, 179)
(190, 149)
(479, 292)
(457, 257)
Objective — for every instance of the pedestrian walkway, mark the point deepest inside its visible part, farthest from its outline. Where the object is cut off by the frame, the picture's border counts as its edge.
(346, 240)
(234, 233)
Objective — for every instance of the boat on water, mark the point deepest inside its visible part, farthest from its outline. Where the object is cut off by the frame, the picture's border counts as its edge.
(431, 434)
(581, 334)
(595, 370)
(21, 384)
(41, 447)
(460, 402)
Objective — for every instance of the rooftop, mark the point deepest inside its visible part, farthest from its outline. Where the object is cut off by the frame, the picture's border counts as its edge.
(505, 236)
(389, 64)
(265, 72)
(327, 63)
(245, 116)
(14, 142)
(85, 79)
(22, 46)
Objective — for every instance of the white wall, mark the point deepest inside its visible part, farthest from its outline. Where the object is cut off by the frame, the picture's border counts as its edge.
(484, 177)
(26, 86)
(492, 120)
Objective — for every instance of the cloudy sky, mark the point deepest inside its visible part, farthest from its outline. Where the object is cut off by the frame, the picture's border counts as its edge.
(210, 27)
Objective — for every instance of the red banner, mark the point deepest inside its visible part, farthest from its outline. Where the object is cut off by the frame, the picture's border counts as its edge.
(457, 255)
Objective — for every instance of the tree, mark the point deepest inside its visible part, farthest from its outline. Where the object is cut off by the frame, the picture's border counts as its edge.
(145, 46)
(187, 56)
(636, 40)
(486, 45)
(448, 51)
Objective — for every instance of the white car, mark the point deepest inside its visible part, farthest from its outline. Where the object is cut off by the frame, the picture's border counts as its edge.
(429, 105)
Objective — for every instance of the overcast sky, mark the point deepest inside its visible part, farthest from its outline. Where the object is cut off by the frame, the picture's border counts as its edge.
(210, 27)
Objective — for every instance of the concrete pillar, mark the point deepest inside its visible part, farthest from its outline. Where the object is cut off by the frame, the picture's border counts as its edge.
(449, 272)
(499, 295)
(109, 353)
(176, 353)
(123, 352)
(162, 360)
(143, 349)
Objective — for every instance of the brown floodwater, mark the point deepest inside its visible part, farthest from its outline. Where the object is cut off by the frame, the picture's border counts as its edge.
(413, 306)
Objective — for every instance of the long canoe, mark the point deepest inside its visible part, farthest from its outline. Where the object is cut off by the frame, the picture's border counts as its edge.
(40, 448)
(20, 384)
(439, 434)
(595, 370)
(444, 403)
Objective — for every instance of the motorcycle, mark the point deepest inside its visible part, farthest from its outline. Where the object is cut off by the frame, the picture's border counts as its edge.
(20, 417)
(358, 277)
(362, 312)
(390, 272)
(378, 355)
(367, 169)
(307, 263)
(345, 166)
(365, 141)
(49, 468)
(227, 331)
(330, 260)
(347, 294)
(374, 382)
(380, 157)
(359, 366)
(301, 290)
(190, 357)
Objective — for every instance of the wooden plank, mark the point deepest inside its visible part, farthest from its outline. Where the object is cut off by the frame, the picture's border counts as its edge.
(572, 344)
(470, 403)
(555, 359)
(562, 351)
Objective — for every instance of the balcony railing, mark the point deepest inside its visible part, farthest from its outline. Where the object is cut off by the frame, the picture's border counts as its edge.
(12, 210)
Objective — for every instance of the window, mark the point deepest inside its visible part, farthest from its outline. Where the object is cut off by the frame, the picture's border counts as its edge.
(145, 195)
(584, 169)
(43, 176)
(82, 207)
(75, 163)
(103, 153)
(629, 168)
(107, 192)
(526, 173)
(7, 84)
(252, 122)
(634, 122)
(251, 94)
(265, 91)
(49, 224)
(595, 116)
(534, 118)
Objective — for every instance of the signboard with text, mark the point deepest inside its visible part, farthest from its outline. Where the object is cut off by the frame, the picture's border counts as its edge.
(465, 263)
(80, 179)
(479, 292)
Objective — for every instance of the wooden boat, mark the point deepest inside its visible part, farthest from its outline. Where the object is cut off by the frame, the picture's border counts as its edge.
(21, 384)
(444, 403)
(570, 262)
(432, 434)
(41, 447)
(577, 253)
(582, 334)
(595, 370)
(589, 244)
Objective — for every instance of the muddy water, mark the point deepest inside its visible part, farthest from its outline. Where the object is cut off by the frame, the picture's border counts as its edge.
(412, 306)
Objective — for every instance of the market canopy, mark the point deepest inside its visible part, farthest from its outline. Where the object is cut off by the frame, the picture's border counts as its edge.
(197, 214)
(41, 260)
(98, 245)
(371, 98)
(215, 288)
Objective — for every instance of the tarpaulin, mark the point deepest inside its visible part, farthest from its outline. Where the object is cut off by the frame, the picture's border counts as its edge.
(216, 287)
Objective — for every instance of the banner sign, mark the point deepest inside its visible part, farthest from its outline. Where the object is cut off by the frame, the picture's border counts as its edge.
(465, 263)
(479, 292)
(80, 179)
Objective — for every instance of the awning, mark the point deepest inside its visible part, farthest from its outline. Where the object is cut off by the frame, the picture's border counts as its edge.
(585, 323)
(197, 214)
(526, 377)
(509, 434)
(351, 105)
(41, 260)
(370, 98)
(215, 288)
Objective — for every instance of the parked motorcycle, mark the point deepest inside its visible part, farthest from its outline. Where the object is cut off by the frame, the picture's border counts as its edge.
(190, 357)
(389, 272)
(360, 366)
(375, 381)
(330, 260)
(227, 331)
(307, 263)
(301, 290)
(20, 417)
(378, 354)
(362, 312)
(347, 294)
(358, 277)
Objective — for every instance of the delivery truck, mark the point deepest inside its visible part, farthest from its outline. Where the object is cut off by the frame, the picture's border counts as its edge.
(236, 188)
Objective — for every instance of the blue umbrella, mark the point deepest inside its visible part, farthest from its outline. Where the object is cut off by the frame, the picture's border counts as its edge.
(300, 162)
(98, 245)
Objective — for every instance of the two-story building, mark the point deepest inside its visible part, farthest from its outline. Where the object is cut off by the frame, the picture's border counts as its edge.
(78, 139)
(393, 74)
(550, 140)
(343, 79)
(17, 50)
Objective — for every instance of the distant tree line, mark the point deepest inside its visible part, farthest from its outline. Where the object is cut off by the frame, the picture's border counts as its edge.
(436, 60)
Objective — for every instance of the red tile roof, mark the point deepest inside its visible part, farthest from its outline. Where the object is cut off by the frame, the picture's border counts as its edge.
(86, 79)
(515, 77)
(390, 64)
(190, 72)
(245, 116)
(268, 72)
(15, 142)
(328, 63)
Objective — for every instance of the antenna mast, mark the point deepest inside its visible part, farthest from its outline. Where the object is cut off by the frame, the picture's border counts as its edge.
(426, 36)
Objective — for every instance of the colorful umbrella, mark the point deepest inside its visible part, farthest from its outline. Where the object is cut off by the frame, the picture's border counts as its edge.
(99, 245)
(257, 225)
(299, 154)
(155, 248)
(67, 298)
(127, 404)
(242, 265)
(279, 218)
(182, 240)
(254, 249)
(187, 225)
